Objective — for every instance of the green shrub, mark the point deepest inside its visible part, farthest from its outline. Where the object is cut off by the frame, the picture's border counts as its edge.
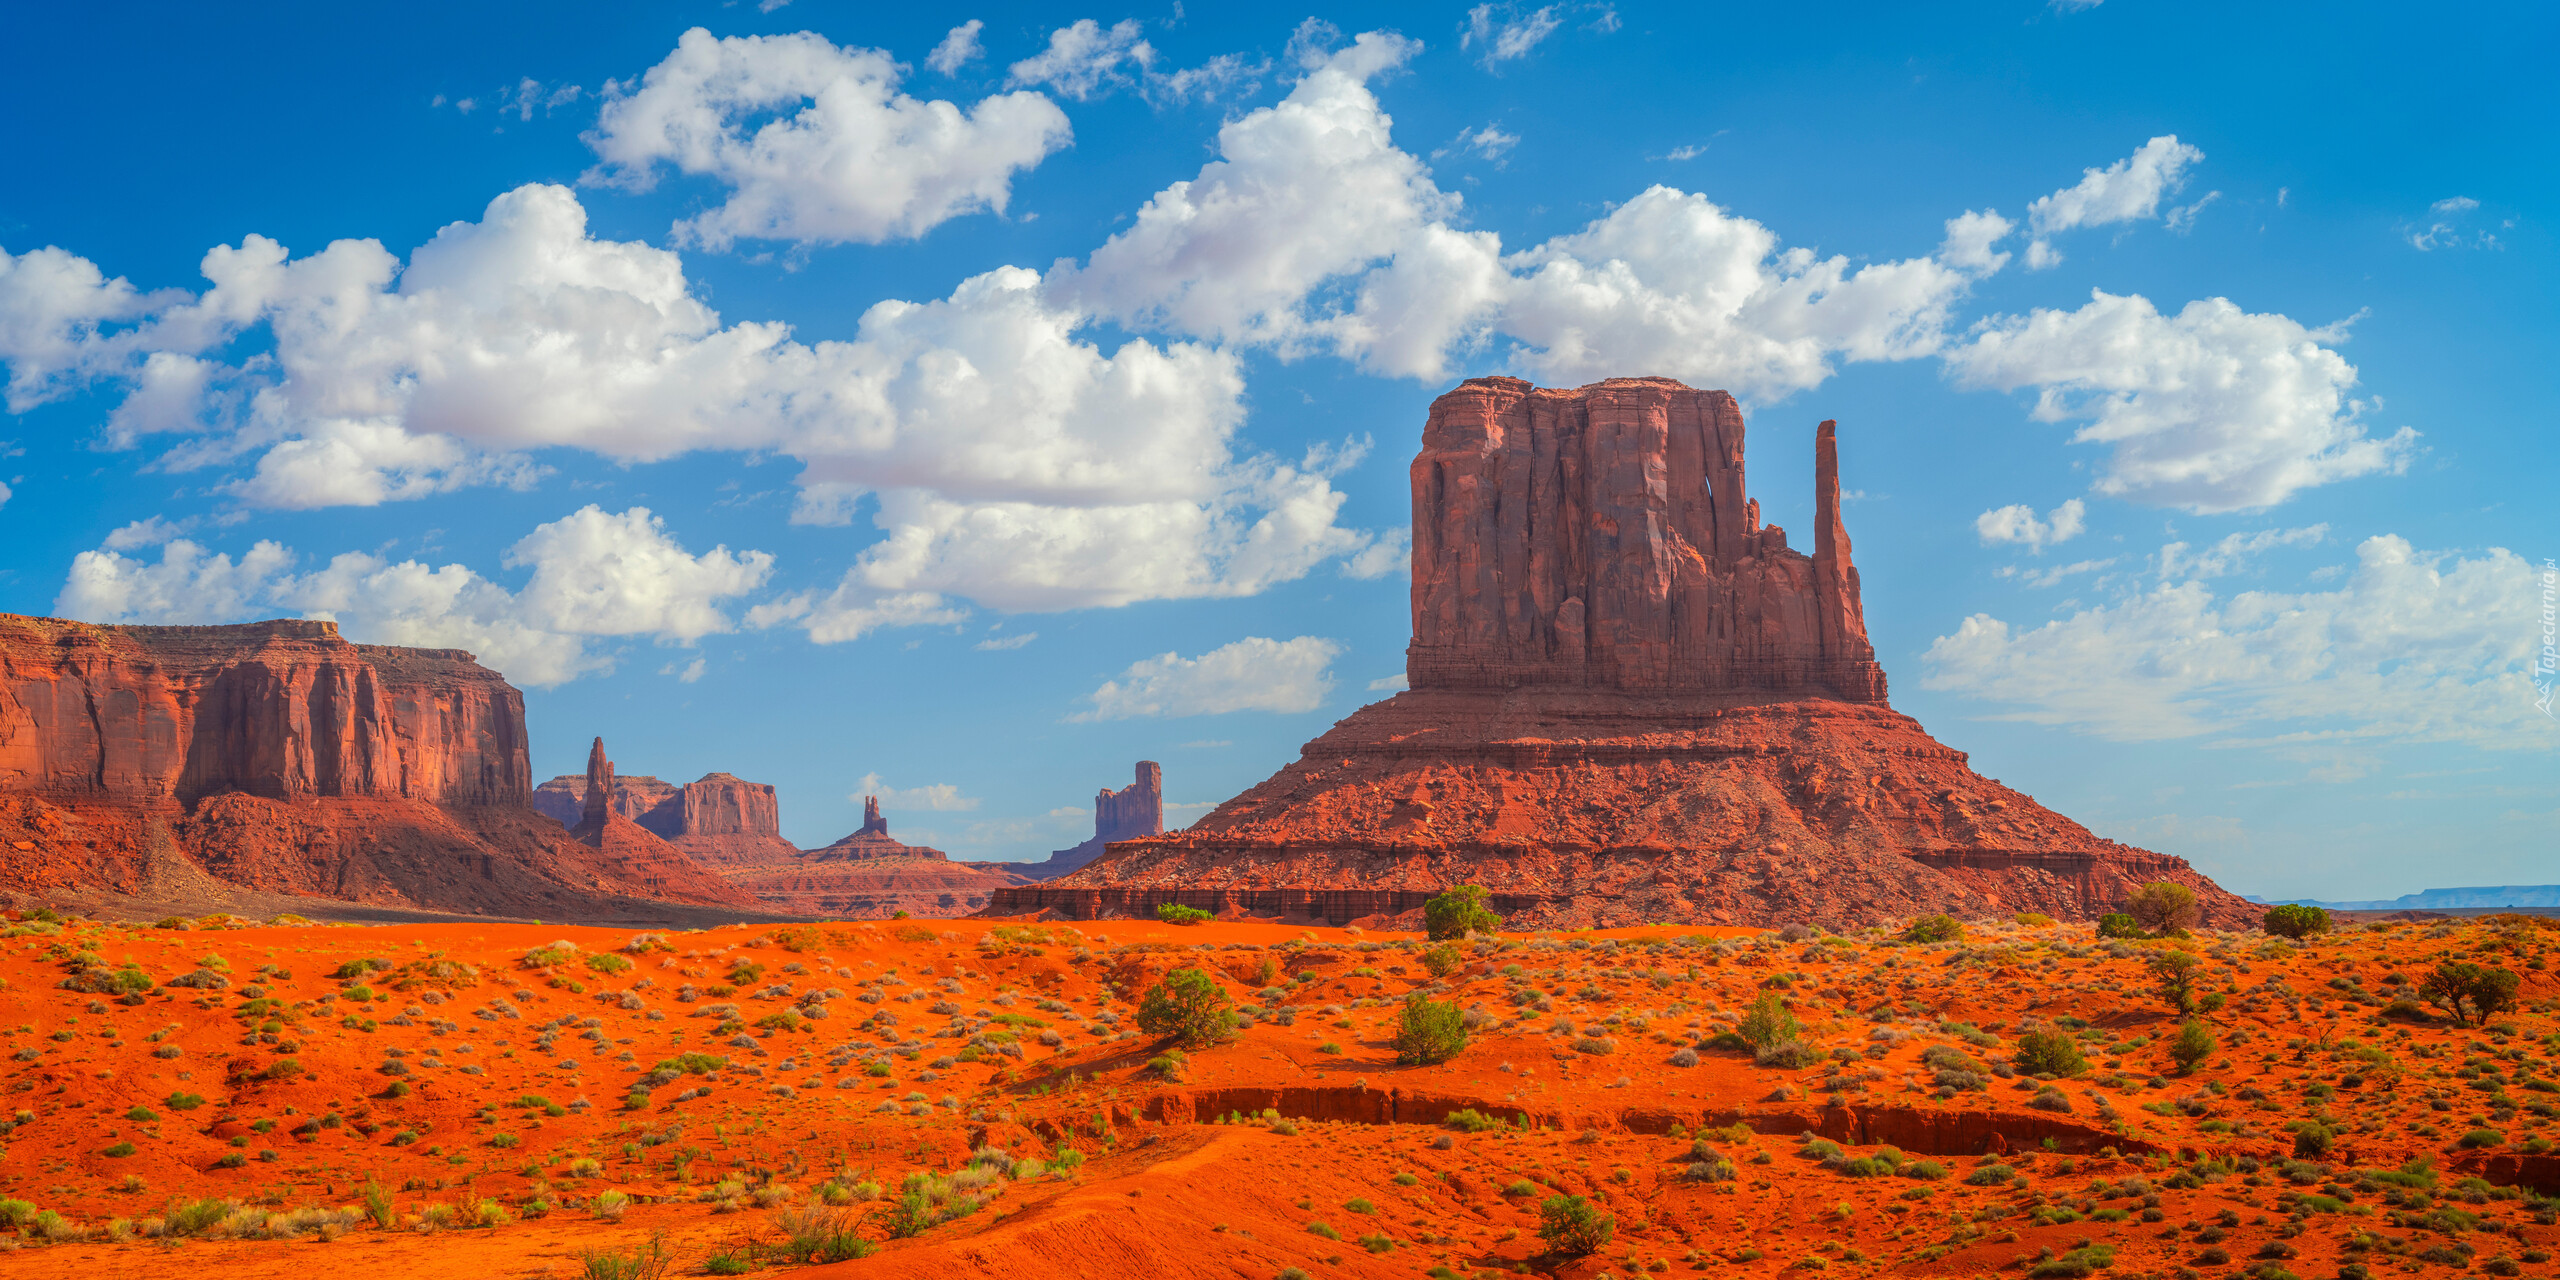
(1430, 1030)
(2481, 1138)
(2049, 1053)
(2116, 924)
(2293, 920)
(1176, 913)
(119, 1150)
(1573, 1226)
(1320, 1229)
(2165, 907)
(1470, 1120)
(2470, 992)
(1934, 928)
(1459, 912)
(1442, 960)
(2194, 1044)
(1188, 1007)
(1167, 1065)
(2173, 972)
(1768, 1022)
(606, 962)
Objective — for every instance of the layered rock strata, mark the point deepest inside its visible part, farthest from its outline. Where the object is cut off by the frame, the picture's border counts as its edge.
(276, 757)
(1631, 702)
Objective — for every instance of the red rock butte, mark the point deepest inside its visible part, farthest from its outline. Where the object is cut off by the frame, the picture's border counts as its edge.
(190, 764)
(1630, 701)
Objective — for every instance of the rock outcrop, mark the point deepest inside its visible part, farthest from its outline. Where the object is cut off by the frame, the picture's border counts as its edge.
(1630, 702)
(1602, 538)
(719, 819)
(870, 875)
(1126, 814)
(276, 757)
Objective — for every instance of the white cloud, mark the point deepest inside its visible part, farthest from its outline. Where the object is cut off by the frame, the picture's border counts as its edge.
(2179, 561)
(1488, 141)
(531, 95)
(1252, 674)
(958, 49)
(1970, 236)
(1085, 59)
(1006, 459)
(1389, 684)
(2446, 230)
(691, 672)
(2129, 190)
(54, 309)
(1504, 34)
(2018, 524)
(594, 574)
(1303, 191)
(149, 532)
(2212, 409)
(2055, 576)
(2182, 219)
(2413, 647)
(999, 643)
(840, 154)
(940, 797)
(5, 495)
(1669, 283)
(1391, 553)
(2126, 191)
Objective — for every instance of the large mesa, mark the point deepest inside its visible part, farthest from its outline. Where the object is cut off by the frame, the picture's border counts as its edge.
(191, 766)
(1629, 701)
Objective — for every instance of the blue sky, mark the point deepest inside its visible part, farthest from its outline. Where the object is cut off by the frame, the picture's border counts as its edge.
(853, 399)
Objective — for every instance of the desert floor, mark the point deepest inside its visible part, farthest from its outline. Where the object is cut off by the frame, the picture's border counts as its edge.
(479, 1100)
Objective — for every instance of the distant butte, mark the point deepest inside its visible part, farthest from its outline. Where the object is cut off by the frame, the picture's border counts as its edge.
(1630, 701)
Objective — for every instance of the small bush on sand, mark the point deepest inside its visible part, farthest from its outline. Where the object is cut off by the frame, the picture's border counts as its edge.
(649, 1262)
(1573, 1226)
(2116, 924)
(2049, 1053)
(1442, 960)
(1936, 928)
(2173, 973)
(1459, 912)
(1768, 1022)
(2292, 920)
(1176, 913)
(2470, 992)
(2194, 1044)
(1188, 1007)
(1430, 1031)
(2163, 907)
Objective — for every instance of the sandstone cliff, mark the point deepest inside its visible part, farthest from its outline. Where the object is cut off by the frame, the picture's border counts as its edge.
(276, 757)
(1630, 702)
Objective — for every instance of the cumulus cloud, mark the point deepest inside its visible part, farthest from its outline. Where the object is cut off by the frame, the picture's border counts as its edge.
(1303, 191)
(2212, 409)
(2414, 647)
(1252, 674)
(2129, 190)
(1313, 231)
(1501, 33)
(1389, 684)
(593, 574)
(1970, 236)
(1006, 458)
(1086, 58)
(2017, 524)
(55, 308)
(815, 142)
(958, 49)
(1670, 283)
(940, 797)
